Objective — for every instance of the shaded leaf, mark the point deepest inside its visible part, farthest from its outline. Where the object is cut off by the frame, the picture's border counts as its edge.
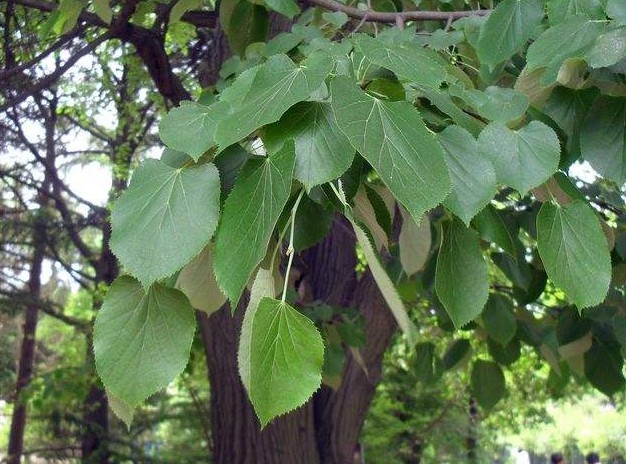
(499, 319)
(603, 137)
(197, 281)
(461, 280)
(487, 382)
(414, 243)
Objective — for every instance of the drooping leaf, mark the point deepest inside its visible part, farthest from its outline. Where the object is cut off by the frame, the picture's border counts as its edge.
(574, 251)
(507, 29)
(413, 243)
(523, 159)
(278, 84)
(392, 137)
(568, 108)
(408, 60)
(121, 409)
(456, 353)
(603, 137)
(491, 227)
(499, 319)
(323, 152)
(248, 219)
(141, 339)
(488, 385)
(428, 367)
(197, 281)
(461, 279)
(263, 286)
(313, 223)
(473, 176)
(569, 39)
(286, 358)
(559, 10)
(386, 286)
(365, 214)
(243, 23)
(165, 218)
(190, 128)
(604, 367)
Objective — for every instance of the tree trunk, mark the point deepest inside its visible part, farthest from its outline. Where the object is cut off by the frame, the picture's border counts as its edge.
(27, 349)
(326, 429)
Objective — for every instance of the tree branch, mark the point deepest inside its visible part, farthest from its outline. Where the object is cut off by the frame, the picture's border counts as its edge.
(51, 78)
(380, 17)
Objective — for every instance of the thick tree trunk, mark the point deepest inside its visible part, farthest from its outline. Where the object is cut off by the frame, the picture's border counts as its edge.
(27, 349)
(326, 429)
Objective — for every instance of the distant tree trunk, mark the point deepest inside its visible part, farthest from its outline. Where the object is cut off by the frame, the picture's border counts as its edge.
(326, 429)
(27, 349)
(472, 433)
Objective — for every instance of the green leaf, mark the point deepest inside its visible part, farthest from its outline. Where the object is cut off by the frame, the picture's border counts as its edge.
(287, 8)
(249, 216)
(190, 128)
(313, 223)
(165, 218)
(523, 159)
(603, 137)
(491, 227)
(616, 9)
(392, 137)
(560, 10)
(604, 367)
(507, 29)
(197, 281)
(408, 60)
(456, 353)
(323, 152)
(428, 367)
(104, 11)
(499, 319)
(498, 104)
(141, 339)
(278, 84)
(286, 358)
(574, 252)
(263, 286)
(473, 176)
(243, 23)
(414, 243)
(608, 49)
(507, 354)
(570, 39)
(386, 286)
(487, 382)
(461, 279)
(121, 409)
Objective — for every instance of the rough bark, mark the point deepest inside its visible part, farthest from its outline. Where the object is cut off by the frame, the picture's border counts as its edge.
(326, 429)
